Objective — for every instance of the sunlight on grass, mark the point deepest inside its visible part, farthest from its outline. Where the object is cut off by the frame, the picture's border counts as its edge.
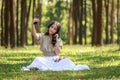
(104, 63)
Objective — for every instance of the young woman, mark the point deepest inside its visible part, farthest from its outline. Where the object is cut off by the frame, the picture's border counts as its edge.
(51, 45)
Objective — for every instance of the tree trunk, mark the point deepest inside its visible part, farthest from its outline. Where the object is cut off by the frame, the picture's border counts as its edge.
(94, 32)
(99, 23)
(27, 20)
(2, 19)
(68, 23)
(118, 23)
(85, 26)
(12, 28)
(112, 23)
(80, 21)
(75, 9)
(74, 21)
(6, 22)
(38, 14)
(17, 22)
(23, 22)
(107, 21)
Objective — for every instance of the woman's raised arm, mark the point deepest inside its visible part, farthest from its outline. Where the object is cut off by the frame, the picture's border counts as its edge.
(34, 32)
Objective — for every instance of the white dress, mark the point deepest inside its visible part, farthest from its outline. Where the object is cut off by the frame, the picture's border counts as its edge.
(51, 61)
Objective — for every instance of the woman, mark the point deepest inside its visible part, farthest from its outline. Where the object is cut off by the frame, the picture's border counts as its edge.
(51, 45)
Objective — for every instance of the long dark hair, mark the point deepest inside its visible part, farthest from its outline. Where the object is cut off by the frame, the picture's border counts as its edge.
(53, 41)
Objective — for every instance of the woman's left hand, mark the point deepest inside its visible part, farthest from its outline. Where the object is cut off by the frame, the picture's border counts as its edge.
(57, 36)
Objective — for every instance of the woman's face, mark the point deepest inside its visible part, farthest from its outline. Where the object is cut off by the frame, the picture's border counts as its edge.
(52, 29)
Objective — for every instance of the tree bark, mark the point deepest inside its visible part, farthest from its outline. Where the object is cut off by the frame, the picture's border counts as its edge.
(107, 21)
(94, 32)
(12, 28)
(80, 21)
(23, 22)
(112, 23)
(75, 24)
(2, 19)
(85, 26)
(68, 23)
(17, 23)
(6, 22)
(99, 23)
(27, 21)
(38, 14)
(118, 23)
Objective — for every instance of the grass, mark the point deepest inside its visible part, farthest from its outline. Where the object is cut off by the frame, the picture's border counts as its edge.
(104, 63)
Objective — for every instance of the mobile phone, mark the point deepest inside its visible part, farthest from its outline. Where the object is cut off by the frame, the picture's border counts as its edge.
(36, 22)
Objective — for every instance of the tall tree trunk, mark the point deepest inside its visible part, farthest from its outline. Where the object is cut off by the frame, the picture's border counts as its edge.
(23, 22)
(27, 21)
(99, 23)
(38, 14)
(94, 32)
(80, 21)
(12, 28)
(74, 20)
(6, 22)
(17, 23)
(107, 21)
(85, 27)
(118, 22)
(68, 26)
(112, 23)
(2, 19)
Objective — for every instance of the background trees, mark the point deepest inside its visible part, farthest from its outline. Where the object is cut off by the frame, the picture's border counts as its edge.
(94, 22)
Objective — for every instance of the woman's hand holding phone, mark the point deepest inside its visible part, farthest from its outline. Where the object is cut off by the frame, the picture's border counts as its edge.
(36, 20)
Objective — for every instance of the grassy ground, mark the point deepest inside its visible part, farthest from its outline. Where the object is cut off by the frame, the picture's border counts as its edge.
(104, 63)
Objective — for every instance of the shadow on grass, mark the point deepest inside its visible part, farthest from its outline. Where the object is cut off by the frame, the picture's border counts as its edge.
(22, 54)
(21, 59)
(97, 58)
(9, 71)
(110, 72)
(12, 71)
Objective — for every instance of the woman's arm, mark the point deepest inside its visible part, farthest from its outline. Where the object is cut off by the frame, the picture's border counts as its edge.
(34, 33)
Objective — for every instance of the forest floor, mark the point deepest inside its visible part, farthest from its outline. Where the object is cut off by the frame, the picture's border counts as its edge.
(104, 63)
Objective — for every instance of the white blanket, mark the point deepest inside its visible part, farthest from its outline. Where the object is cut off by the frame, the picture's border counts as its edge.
(54, 64)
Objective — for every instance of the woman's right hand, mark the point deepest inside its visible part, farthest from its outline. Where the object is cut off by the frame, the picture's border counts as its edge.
(34, 33)
(35, 20)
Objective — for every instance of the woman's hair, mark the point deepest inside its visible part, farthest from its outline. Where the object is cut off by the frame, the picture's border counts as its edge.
(57, 32)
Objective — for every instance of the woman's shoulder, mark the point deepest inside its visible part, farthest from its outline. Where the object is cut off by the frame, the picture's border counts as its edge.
(44, 36)
(41, 34)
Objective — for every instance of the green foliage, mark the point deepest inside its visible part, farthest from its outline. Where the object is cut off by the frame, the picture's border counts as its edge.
(55, 10)
(103, 61)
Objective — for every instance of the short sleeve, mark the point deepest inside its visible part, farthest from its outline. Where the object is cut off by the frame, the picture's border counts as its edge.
(59, 42)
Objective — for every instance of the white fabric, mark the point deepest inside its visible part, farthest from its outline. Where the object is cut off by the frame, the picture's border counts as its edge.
(48, 63)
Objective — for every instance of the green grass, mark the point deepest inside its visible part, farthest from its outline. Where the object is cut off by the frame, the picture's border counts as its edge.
(104, 63)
